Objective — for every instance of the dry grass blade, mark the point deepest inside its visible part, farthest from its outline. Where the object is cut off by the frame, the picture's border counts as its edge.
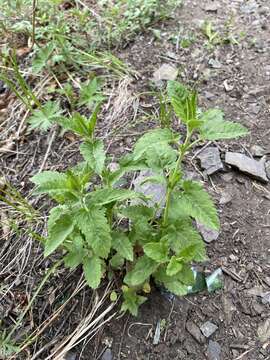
(123, 105)
(88, 326)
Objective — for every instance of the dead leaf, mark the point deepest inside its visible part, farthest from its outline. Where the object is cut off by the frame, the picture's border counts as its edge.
(264, 331)
(23, 51)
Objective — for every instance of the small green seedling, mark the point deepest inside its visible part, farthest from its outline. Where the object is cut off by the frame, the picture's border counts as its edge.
(89, 224)
(213, 36)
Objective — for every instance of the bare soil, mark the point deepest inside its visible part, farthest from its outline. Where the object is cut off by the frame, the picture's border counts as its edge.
(243, 246)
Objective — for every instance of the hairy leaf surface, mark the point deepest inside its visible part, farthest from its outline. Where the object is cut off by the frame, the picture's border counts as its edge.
(197, 203)
(92, 267)
(215, 128)
(157, 251)
(144, 267)
(44, 117)
(94, 154)
(122, 244)
(58, 233)
(93, 224)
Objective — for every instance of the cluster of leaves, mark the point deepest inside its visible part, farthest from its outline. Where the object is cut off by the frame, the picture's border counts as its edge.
(46, 115)
(87, 224)
(125, 18)
(66, 37)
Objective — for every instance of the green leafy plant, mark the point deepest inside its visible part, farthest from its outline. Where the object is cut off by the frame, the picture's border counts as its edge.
(105, 228)
(212, 36)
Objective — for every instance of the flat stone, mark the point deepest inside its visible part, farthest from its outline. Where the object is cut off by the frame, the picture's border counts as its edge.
(249, 7)
(227, 86)
(208, 328)
(213, 350)
(263, 331)
(156, 191)
(215, 64)
(251, 167)
(209, 96)
(208, 235)
(195, 331)
(257, 151)
(107, 355)
(267, 169)
(165, 72)
(211, 6)
(225, 198)
(210, 160)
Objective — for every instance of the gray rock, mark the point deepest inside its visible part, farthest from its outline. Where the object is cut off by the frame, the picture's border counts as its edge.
(213, 350)
(157, 191)
(227, 86)
(165, 72)
(210, 160)
(226, 197)
(194, 330)
(264, 10)
(211, 6)
(267, 169)
(251, 167)
(209, 96)
(249, 7)
(214, 63)
(107, 355)
(208, 328)
(263, 331)
(257, 151)
(208, 235)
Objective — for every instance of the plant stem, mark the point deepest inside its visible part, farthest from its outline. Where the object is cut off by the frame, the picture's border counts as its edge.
(34, 7)
(173, 175)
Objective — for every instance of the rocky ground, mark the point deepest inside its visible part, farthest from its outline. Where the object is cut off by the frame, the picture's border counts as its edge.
(230, 66)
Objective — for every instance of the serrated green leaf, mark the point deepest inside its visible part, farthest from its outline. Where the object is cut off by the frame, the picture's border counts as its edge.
(141, 232)
(172, 283)
(153, 140)
(90, 94)
(215, 128)
(174, 266)
(161, 156)
(76, 123)
(94, 154)
(122, 244)
(192, 252)
(92, 268)
(157, 251)
(44, 117)
(93, 224)
(117, 261)
(55, 214)
(132, 301)
(183, 237)
(127, 164)
(106, 196)
(76, 251)
(184, 102)
(197, 203)
(42, 57)
(137, 212)
(143, 268)
(140, 215)
(54, 184)
(58, 233)
(186, 275)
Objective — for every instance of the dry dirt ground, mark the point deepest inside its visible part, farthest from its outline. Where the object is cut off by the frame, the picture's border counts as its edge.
(236, 78)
